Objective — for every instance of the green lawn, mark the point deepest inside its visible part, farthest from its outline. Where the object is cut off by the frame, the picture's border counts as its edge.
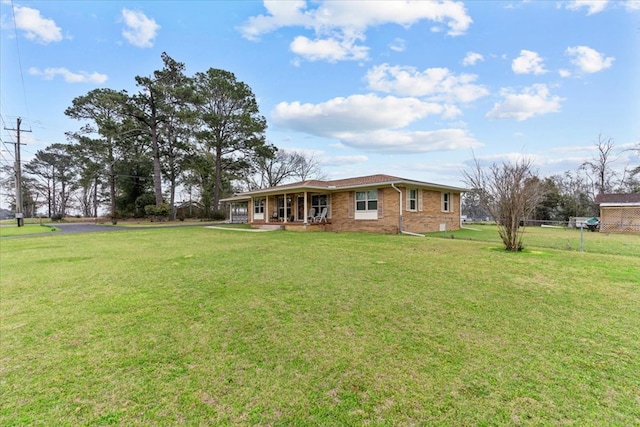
(555, 238)
(14, 230)
(196, 326)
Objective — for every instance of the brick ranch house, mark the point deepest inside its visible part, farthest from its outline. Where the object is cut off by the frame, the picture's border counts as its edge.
(619, 213)
(374, 203)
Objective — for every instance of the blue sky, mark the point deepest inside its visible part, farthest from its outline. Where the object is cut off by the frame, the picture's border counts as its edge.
(412, 89)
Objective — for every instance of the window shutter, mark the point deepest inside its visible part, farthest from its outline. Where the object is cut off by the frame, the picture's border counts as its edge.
(420, 200)
(329, 206)
(380, 203)
(351, 206)
(407, 202)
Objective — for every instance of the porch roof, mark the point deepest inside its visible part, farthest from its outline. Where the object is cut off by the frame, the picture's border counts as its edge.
(341, 185)
(628, 199)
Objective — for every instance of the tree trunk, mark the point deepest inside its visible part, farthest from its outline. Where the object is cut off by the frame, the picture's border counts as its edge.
(157, 171)
(53, 195)
(95, 197)
(49, 206)
(216, 190)
(112, 193)
(172, 199)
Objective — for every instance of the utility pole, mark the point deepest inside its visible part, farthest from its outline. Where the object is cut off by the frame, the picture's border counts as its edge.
(18, 171)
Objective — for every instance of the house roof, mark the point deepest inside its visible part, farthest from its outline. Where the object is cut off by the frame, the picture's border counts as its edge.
(341, 185)
(614, 199)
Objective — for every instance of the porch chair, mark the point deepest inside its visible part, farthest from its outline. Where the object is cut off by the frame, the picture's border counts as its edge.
(322, 217)
(312, 214)
(274, 217)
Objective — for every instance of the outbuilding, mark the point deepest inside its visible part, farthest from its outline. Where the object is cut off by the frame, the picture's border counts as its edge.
(619, 213)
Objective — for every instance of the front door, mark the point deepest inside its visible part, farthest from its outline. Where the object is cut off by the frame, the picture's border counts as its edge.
(282, 213)
(300, 208)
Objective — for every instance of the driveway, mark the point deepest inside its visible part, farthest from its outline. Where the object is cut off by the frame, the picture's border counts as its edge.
(79, 227)
(88, 227)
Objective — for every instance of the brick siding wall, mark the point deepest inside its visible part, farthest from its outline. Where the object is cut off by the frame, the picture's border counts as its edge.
(429, 219)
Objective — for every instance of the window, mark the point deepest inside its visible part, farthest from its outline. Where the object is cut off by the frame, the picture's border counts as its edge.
(319, 202)
(366, 204)
(258, 206)
(446, 202)
(367, 201)
(281, 209)
(412, 199)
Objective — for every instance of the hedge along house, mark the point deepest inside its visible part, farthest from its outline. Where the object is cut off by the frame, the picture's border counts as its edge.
(619, 213)
(375, 203)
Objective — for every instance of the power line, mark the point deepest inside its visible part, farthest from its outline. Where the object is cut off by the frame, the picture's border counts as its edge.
(15, 30)
(7, 151)
(18, 169)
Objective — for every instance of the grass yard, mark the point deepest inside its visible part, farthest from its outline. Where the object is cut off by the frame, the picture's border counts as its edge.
(13, 230)
(195, 326)
(554, 238)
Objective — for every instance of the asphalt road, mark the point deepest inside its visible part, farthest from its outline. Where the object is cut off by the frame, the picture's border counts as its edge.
(79, 227)
(87, 227)
(71, 228)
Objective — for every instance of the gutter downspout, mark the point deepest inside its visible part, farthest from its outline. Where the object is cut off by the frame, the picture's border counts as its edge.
(460, 209)
(400, 218)
(401, 231)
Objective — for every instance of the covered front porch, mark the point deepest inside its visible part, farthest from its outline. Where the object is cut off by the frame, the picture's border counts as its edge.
(298, 211)
(291, 209)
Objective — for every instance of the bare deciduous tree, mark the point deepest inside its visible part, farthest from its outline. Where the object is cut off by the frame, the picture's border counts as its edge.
(280, 167)
(630, 181)
(307, 166)
(600, 166)
(510, 192)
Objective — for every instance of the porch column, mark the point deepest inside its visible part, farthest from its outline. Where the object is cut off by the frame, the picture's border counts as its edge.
(306, 214)
(285, 208)
(267, 212)
(231, 213)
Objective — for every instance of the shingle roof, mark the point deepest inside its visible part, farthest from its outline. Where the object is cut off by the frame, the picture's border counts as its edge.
(337, 184)
(618, 198)
(360, 180)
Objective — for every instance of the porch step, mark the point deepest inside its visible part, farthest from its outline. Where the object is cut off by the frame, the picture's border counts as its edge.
(271, 227)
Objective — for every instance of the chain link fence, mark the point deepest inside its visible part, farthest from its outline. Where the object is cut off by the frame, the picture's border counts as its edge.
(615, 238)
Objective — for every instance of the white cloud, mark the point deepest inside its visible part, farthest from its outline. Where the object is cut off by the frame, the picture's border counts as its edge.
(572, 149)
(632, 5)
(139, 30)
(528, 62)
(589, 60)
(489, 159)
(472, 58)
(371, 123)
(36, 27)
(564, 73)
(346, 21)
(356, 113)
(343, 160)
(390, 141)
(330, 49)
(438, 84)
(398, 45)
(280, 14)
(359, 15)
(592, 6)
(69, 77)
(532, 101)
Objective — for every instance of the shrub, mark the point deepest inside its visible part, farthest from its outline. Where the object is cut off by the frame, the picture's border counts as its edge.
(218, 215)
(157, 212)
